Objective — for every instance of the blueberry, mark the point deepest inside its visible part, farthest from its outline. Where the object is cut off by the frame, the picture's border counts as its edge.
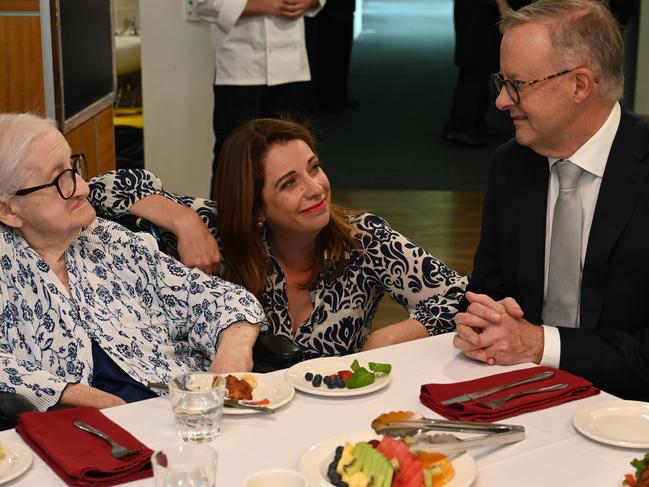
(331, 384)
(308, 376)
(317, 380)
(331, 471)
(339, 450)
(335, 477)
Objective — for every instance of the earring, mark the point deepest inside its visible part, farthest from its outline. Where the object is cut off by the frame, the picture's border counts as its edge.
(261, 223)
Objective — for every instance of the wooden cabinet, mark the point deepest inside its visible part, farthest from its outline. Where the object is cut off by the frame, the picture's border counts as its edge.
(33, 77)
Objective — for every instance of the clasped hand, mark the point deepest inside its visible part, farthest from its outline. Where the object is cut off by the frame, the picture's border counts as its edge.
(291, 9)
(495, 332)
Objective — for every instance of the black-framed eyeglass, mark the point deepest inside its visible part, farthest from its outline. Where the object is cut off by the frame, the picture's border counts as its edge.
(65, 182)
(513, 86)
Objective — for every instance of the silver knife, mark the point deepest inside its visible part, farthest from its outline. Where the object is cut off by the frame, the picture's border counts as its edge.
(233, 403)
(227, 402)
(469, 396)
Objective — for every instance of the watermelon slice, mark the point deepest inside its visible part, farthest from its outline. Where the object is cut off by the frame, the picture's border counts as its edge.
(410, 472)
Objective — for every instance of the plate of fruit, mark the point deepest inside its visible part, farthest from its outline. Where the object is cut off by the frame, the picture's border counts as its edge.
(364, 459)
(338, 376)
(639, 478)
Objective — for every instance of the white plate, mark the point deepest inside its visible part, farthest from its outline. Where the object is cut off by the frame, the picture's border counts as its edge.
(17, 460)
(617, 422)
(315, 461)
(275, 389)
(326, 366)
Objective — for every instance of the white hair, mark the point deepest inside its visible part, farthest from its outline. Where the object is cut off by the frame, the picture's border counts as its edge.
(18, 132)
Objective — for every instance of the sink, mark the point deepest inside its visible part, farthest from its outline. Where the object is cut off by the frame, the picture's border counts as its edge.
(127, 54)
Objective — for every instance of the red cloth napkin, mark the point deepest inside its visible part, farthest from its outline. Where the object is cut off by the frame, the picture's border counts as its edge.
(81, 458)
(432, 395)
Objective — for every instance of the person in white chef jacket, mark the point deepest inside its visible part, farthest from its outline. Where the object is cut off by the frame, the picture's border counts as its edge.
(262, 69)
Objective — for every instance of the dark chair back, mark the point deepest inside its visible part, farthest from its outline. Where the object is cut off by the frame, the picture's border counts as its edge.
(274, 352)
(11, 405)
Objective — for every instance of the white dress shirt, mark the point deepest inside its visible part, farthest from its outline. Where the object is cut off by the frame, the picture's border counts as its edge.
(591, 157)
(256, 49)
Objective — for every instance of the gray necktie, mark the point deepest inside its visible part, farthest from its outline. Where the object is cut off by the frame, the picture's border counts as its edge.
(564, 273)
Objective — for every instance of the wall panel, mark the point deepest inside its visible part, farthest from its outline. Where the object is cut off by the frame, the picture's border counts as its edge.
(21, 66)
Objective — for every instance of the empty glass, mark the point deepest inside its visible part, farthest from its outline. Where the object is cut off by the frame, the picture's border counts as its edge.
(197, 403)
(184, 465)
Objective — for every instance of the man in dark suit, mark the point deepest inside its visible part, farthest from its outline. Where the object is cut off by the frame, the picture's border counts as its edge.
(571, 255)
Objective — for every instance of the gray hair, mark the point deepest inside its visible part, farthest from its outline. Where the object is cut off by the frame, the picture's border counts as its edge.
(582, 31)
(18, 132)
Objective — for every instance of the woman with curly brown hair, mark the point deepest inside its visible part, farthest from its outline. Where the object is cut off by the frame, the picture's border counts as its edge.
(318, 269)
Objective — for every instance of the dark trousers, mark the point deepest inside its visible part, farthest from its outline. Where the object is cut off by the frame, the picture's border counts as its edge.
(334, 56)
(470, 102)
(234, 105)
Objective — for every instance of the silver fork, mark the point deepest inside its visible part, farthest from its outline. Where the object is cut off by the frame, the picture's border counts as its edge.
(118, 451)
(498, 403)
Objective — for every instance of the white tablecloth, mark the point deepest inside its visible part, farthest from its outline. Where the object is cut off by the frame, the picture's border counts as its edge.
(553, 453)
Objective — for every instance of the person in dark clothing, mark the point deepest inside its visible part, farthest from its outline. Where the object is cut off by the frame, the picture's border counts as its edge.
(564, 233)
(477, 43)
(330, 37)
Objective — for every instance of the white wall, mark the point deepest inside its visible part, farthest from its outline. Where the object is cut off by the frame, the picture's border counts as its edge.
(177, 73)
(642, 74)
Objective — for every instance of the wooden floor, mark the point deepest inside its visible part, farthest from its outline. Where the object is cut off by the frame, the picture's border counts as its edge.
(445, 223)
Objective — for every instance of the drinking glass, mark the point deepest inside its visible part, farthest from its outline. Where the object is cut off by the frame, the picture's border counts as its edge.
(197, 403)
(184, 465)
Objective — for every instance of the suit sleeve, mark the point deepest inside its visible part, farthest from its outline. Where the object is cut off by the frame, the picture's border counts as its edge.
(487, 277)
(614, 360)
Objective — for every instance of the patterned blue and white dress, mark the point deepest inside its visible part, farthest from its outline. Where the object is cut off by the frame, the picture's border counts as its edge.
(343, 310)
(151, 315)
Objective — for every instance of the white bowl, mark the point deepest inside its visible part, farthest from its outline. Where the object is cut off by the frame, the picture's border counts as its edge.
(276, 477)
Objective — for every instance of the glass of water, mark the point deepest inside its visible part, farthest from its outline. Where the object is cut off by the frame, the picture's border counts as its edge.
(184, 465)
(197, 403)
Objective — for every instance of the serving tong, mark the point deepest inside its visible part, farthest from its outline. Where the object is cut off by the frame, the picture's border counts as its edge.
(403, 424)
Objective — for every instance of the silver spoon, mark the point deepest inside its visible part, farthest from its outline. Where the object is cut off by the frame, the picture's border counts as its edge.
(117, 450)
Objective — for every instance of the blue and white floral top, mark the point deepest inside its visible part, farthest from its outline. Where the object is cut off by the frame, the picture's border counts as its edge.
(153, 317)
(343, 310)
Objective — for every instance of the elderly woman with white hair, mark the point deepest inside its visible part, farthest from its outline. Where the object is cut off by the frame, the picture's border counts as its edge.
(90, 312)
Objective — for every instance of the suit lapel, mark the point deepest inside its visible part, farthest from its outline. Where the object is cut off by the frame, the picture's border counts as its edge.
(531, 233)
(623, 181)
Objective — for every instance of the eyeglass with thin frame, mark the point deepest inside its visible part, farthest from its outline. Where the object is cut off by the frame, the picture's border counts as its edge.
(513, 86)
(65, 182)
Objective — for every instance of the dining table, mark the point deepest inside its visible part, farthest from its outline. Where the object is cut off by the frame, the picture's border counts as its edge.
(553, 452)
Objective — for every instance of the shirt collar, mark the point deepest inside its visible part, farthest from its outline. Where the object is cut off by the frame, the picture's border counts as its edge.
(592, 156)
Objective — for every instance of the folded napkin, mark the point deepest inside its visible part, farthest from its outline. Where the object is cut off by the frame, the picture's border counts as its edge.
(432, 395)
(81, 458)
